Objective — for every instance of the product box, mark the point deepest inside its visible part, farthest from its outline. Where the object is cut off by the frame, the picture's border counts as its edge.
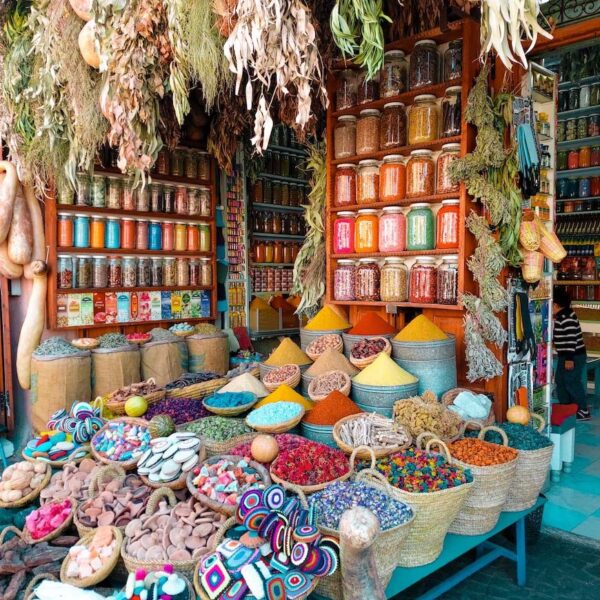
(74, 310)
(134, 306)
(87, 309)
(155, 306)
(110, 303)
(186, 304)
(165, 302)
(176, 305)
(195, 308)
(123, 305)
(205, 304)
(144, 306)
(99, 308)
(62, 310)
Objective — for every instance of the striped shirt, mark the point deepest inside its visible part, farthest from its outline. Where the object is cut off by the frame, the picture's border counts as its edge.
(568, 339)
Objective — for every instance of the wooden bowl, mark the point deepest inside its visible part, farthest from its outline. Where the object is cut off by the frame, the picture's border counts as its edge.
(85, 343)
(140, 341)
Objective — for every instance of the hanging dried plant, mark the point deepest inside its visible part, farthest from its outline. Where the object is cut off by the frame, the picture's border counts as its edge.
(225, 16)
(273, 47)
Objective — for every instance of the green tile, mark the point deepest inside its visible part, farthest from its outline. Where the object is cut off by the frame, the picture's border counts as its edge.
(592, 468)
(582, 482)
(589, 528)
(562, 518)
(573, 499)
(581, 463)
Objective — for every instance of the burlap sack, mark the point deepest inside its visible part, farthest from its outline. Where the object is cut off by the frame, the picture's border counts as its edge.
(164, 361)
(57, 382)
(208, 353)
(114, 368)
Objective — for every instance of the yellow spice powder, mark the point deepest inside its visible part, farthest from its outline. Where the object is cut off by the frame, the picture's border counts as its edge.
(326, 320)
(285, 393)
(384, 372)
(421, 329)
(287, 353)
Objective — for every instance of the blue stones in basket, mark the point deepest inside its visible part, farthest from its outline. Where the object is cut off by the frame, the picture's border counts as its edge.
(251, 499)
(299, 554)
(275, 588)
(215, 580)
(254, 517)
(237, 591)
(297, 584)
(306, 533)
(274, 497)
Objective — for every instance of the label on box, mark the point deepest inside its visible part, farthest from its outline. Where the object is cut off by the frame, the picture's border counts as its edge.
(176, 305)
(87, 309)
(134, 310)
(144, 306)
(186, 304)
(110, 303)
(99, 308)
(74, 310)
(123, 304)
(165, 303)
(62, 310)
(195, 308)
(155, 306)
(205, 304)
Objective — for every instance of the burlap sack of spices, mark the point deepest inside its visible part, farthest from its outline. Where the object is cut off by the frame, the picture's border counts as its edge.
(208, 353)
(164, 361)
(114, 368)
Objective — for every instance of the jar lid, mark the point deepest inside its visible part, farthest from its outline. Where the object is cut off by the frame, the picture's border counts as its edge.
(97, 218)
(369, 162)
(347, 118)
(346, 166)
(205, 259)
(156, 257)
(125, 218)
(394, 53)
(454, 88)
(451, 201)
(169, 258)
(346, 261)
(419, 205)
(450, 258)
(392, 209)
(367, 260)
(393, 158)
(369, 112)
(82, 215)
(99, 256)
(424, 97)
(367, 211)
(156, 222)
(112, 218)
(423, 42)
(83, 256)
(393, 104)
(425, 259)
(346, 213)
(394, 260)
(451, 147)
(115, 258)
(64, 256)
(421, 152)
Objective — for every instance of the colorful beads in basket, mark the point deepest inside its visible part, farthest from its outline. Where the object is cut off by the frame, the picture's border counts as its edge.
(520, 437)
(310, 464)
(331, 503)
(181, 410)
(122, 441)
(48, 518)
(481, 454)
(418, 471)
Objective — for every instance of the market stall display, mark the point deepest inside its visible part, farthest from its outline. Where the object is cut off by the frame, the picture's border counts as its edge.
(284, 393)
(285, 375)
(49, 521)
(179, 410)
(72, 481)
(365, 351)
(275, 417)
(246, 382)
(327, 321)
(121, 442)
(470, 406)
(220, 434)
(229, 403)
(22, 482)
(324, 342)
(322, 385)
(265, 448)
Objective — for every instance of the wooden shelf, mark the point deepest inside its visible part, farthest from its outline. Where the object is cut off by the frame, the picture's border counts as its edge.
(277, 236)
(119, 212)
(160, 288)
(283, 178)
(295, 151)
(582, 172)
(255, 264)
(380, 154)
(277, 207)
(404, 202)
(398, 304)
(140, 323)
(156, 178)
(437, 252)
(134, 252)
(577, 282)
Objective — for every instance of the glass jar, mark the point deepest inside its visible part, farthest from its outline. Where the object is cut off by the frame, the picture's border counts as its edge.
(347, 89)
(367, 189)
(154, 236)
(144, 271)
(169, 199)
(194, 272)
(276, 223)
(392, 230)
(142, 199)
(423, 281)
(169, 272)
(585, 187)
(367, 280)
(82, 232)
(392, 178)
(65, 231)
(595, 161)
(366, 232)
(447, 225)
(343, 233)
(98, 189)
(584, 95)
(205, 202)
(113, 233)
(65, 272)
(177, 160)
(561, 131)
(128, 233)
(453, 61)
(585, 157)
(345, 185)
(285, 194)
(156, 200)
(367, 131)
(277, 252)
(257, 191)
(65, 194)
(344, 278)
(285, 164)
(420, 227)
(83, 195)
(205, 241)
(141, 235)
(571, 130)
(193, 237)
(287, 251)
(276, 193)
(450, 152)
(344, 137)
(180, 237)
(128, 197)
(423, 64)
(420, 174)
(157, 271)
(100, 272)
(447, 281)
(596, 186)
(562, 159)
(97, 232)
(183, 271)
(129, 271)
(206, 272)
(394, 281)
(204, 166)
(393, 126)
(162, 162)
(451, 112)
(423, 120)
(594, 125)
(582, 127)
(84, 272)
(190, 165)
(181, 200)
(367, 89)
(573, 160)
(115, 274)
(574, 98)
(275, 163)
(392, 80)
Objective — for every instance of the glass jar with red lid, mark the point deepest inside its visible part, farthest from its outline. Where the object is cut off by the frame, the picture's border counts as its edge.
(447, 225)
(366, 232)
(423, 281)
(345, 185)
(343, 233)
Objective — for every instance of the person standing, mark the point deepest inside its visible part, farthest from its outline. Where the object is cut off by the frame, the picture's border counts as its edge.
(568, 341)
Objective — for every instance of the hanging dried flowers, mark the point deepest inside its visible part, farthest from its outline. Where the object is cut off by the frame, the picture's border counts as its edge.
(273, 46)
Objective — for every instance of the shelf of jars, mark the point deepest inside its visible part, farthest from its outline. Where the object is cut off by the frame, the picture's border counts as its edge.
(581, 172)
(579, 142)
(276, 236)
(591, 80)
(577, 282)
(380, 254)
(271, 264)
(278, 207)
(580, 213)
(584, 199)
(93, 211)
(133, 252)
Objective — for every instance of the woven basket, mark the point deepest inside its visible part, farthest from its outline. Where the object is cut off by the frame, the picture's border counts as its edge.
(128, 465)
(307, 336)
(280, 427)
(186, 567)
(79, 453)
(529, 234)
(26, 536)
(198, 390)
(491, 485)
(232, 411)
(448, 399)
(183, 334)
(530, 476)
(117, 407)
(435, 512)
(334, 341)
(100, 575)
(345, 389)
(533, 266)
(180, 482)
(366, 453)
(550, 245)
(292, 381)
(224, 509)
(361, 363)
(32, 495)
(29, 594)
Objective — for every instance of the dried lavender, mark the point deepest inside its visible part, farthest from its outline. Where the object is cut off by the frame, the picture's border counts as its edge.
(481, 360)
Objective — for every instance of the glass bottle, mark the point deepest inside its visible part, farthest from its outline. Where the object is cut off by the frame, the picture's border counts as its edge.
(394, 74)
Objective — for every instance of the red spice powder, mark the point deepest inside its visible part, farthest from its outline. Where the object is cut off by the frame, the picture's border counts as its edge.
(329, 411)
(371, 324)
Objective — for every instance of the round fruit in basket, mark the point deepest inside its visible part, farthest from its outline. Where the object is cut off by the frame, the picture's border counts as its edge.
(136, 406)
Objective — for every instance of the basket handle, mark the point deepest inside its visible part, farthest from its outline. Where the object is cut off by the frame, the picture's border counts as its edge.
(157, 496)
(290, 487)
(356, 451)
(12, 529)
(28, 594)
(424, 434)
(499, 431)
(110, 471)
(368, 475)
(541, 422)
(468, 422)
(441, 445)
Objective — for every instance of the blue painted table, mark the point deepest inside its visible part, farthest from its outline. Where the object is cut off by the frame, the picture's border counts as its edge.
(457, 545)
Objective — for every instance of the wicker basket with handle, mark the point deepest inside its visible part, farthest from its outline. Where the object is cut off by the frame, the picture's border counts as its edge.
(450, 396)
(271, 378)
(529, 234)
(128, 465)
(550, 245)
(33, 494)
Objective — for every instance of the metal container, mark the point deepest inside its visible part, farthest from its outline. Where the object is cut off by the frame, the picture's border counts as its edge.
(319, 433)
(306, 336)
(375, 398)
